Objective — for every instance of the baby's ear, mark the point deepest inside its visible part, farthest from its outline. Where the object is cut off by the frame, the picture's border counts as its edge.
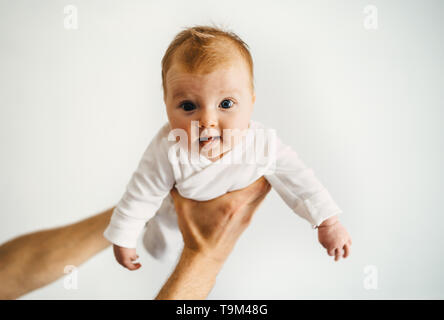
(254, 97)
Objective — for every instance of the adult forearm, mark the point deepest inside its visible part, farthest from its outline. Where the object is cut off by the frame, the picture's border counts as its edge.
(37, 259)
(192, 279)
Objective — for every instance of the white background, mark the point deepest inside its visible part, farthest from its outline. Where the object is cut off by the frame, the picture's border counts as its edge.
(363, 108)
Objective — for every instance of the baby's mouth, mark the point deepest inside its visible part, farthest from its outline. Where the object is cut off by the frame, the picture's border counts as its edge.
(208, 140)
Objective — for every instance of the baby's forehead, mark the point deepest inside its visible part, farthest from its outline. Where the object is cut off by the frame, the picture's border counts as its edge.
(207, 73)
(207, 64)
(181, 66)
(224, 77)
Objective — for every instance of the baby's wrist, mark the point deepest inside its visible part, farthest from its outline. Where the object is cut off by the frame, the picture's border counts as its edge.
(329, 222)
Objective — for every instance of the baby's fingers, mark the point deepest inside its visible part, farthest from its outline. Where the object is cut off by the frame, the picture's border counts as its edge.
(134, 257)
(129, 263)
(134, 263)
(132, 266)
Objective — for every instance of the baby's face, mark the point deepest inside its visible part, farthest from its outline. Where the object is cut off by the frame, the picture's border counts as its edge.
(222, 99)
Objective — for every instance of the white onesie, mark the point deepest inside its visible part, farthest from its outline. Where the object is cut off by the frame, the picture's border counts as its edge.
(147, 201)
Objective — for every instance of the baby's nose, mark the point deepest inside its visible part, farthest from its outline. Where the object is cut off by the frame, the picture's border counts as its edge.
(208, 119)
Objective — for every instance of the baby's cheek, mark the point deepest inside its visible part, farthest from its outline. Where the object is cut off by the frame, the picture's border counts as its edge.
(182, 133)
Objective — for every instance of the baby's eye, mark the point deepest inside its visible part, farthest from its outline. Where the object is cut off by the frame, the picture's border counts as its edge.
(188, 106)
(226, 104)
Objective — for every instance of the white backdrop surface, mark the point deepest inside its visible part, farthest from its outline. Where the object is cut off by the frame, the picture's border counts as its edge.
(363, 108)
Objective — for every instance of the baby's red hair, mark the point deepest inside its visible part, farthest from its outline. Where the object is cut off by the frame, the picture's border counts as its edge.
(202, 49)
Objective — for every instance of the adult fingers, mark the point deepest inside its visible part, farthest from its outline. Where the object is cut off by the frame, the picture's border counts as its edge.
(346, 250)
(254, 199)
(175, 195)
(253, 192)
(180, 203)
(250, 196)
(259, 190)
(263, 190)
(174, 192)
(338, 254)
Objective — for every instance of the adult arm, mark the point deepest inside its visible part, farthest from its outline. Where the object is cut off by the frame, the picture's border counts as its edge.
(34, 260)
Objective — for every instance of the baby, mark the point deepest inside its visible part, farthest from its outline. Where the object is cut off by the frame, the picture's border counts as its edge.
(207, 78)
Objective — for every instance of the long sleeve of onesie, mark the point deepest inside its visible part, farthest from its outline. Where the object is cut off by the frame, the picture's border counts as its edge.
(299, 188)
(149, 185)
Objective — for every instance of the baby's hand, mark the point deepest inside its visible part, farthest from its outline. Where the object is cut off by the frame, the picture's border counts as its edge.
(333, 237)
(126, 256)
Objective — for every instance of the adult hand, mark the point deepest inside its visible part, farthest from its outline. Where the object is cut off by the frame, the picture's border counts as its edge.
(213, 227)
(210, 230)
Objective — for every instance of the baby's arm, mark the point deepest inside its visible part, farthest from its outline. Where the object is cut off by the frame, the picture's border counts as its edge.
(307, 197)
(149, 185)
(299, 187)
